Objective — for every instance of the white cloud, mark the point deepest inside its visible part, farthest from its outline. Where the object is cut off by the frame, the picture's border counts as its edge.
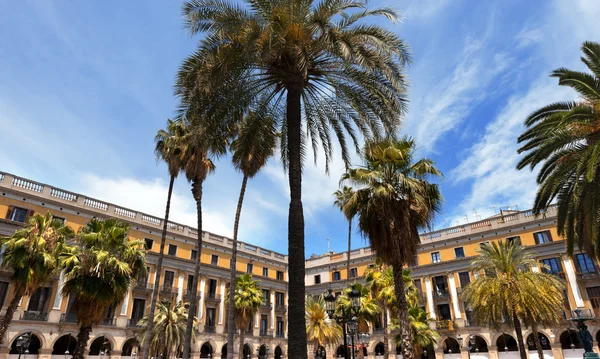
(425, 9)
(529, 36)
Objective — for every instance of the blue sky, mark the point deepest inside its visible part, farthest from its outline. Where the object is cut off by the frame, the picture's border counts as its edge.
(84, 86)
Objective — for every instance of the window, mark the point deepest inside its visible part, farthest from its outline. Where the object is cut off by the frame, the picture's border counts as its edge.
(249, 268)
(353, 272)
(483, 244)
(18, 214)
(542, 237)
(553, 266)
(279, 299)
(516, 240)
(459, 252)
(3, 291)
(435, 257)
(594, 295)
(169, 276)
(264, 319)
(266, 296)
(38, 300)
(444, 312)
(279, 275)
(172, 250)
(210, 317)
(190, 283)
(584, 264)
(193, 254)
(417, 285)
(62, 220)
(214, 260)
(440, 284)
(212, 288)
(279, 332)
(265, 272)
(337, 275)
(464, 279)
(249, 329)
(318, 279)
(149, 243)
(137, 311)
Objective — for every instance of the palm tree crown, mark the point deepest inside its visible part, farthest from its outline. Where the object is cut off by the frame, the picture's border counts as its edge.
(167, 145)
(564, 138)
(319, 328)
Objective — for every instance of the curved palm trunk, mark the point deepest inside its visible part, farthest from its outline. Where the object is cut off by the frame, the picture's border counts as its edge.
(536, 340)
(232, 271)
(197, 192)
(82, 339)
(10, 312)
(405, 333)
(349, 247)
(520, 342)
(297, 291)
(149, 327)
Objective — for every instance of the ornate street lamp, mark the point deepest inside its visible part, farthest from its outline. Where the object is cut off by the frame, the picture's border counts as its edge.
(348, 318)
(23, 342)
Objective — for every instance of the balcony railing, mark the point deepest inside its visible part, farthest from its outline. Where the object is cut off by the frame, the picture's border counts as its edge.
(108, 321)
(133, 323)
(210, 329)
(168, 289)
(280, 307)
(587, 275)
(266, 333)
(441, 295)
(143, 285)
(68, 318)
(213, 297)
(280, 334)
(188, 294)
(35, 315)
(267, 306)
(445, 324)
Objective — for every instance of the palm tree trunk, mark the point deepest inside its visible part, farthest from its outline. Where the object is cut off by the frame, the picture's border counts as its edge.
(232, 271)
(241, 347)
(349, 246)
(520, 341)
(10, 312)
(297, 291)
(82, 339)
(197, 192)
(536, 340)
(146, 345)
(405, 333)
(386, 336)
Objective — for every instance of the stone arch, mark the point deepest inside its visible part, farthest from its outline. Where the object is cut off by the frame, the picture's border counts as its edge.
(248, 350)
(450, 346)
(340, 351)
(224, 351)
(506, 343)
(262, 351)
(206, 350)
(35, 343)
(480, 344)
(321, 352)
(129, 347)
(546, 344)
(101, 342)
(378, 348)
(278, 352)
(63, 343)
(569, 339)
(365, 352)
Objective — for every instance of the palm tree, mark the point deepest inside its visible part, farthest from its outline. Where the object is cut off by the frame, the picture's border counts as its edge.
(564, 138)
(341, 197)
(507, 291)
(320, 330)
(254, 145)
(313, 64)
(99, 270)
(393, 202)
(168, 333)
(368, 306)
(166, 150)
(248, 299)
(31, 253)
(422, 334)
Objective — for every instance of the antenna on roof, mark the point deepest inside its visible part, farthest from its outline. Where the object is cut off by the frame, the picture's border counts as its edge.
(494, 207)
(328, 247)
(477, 217)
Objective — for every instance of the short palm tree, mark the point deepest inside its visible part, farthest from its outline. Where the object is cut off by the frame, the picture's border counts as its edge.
(341, 197)
(320, 330)
(99, 270)
(565, 138)
(254, 145)
(31, 253)
(166, 150)
(508, 292)
(394, 200)
(318, 66)
(369, 310)
(248, 299)
(168, 333)
(422, 334)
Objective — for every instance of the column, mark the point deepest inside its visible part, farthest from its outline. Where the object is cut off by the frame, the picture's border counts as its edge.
(125, 304)
(272, 309)
(493, 351)
(454, 296)
(54, 315)
(201, 301)
(257, 319)
(429, 294)
(557, 352)
(389, 317)
(439, 353)
(222, 304)
(573, 282)
(180, 286)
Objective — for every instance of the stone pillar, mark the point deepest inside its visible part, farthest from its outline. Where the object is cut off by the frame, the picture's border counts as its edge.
(439, 353)
(54, 315)
(573, 282)
(464, 351)
(201, 301)
(454, 296)
(222, 304)
(4, 351)
(272, 310)
(557, 352)
(180, 286)
(429, 294)
(493, 351)
(122, 317)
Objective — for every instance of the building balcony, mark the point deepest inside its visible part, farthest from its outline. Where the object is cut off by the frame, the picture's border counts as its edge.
(168, 289)
(266, 333)
(210, 329)
(68, 318)
(280, 335)
(441, 295)
(266, 307)
(212, 298)
(133, 323)
(35, 315)
(111, 322)
(188, 294)
(587, 275)
(280, 307)
(141, 285)
(445, 325)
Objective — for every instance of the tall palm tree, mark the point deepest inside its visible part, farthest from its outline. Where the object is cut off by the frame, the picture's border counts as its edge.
(507, 291)
(196, 145)
(316, 64)
(394, 200)
(254, 145)
(320, 330)
(31, 253)
(341, 197)
(167, 150)
(248, 299)
(565, 138)
(168, 333)
(99, 270)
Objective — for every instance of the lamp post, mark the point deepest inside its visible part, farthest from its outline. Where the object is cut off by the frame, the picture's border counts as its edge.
(471, 344)
(68, 346)
(585, 337)
(23, 342)
(345, 317)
